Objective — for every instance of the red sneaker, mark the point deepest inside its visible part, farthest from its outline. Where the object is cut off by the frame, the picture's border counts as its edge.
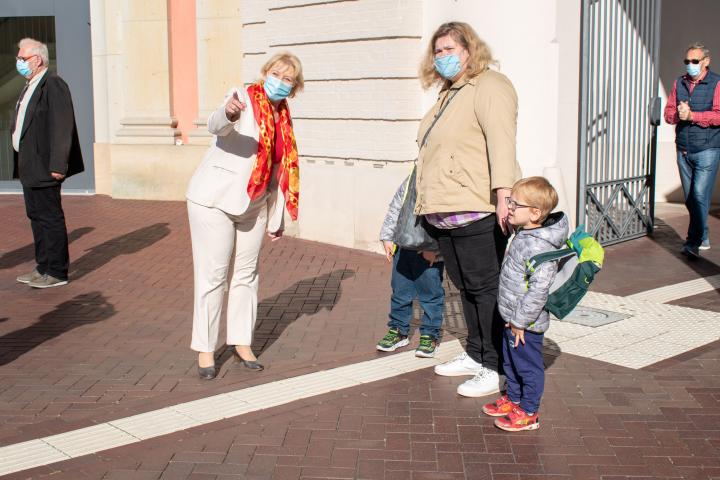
(500, 408)
(518, 420)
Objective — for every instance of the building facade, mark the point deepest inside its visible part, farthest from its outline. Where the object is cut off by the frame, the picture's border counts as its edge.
(159, 67)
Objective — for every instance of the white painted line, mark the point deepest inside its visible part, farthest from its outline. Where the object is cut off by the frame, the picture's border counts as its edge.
(123, 431)
(677, 291)
(83, 441)
(154, 423)
(652, 332)
(22, 456)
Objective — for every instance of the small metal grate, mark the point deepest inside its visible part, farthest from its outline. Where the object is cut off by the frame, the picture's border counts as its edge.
(592, 317)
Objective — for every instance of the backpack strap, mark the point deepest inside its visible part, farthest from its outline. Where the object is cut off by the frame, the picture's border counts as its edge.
(536, 260)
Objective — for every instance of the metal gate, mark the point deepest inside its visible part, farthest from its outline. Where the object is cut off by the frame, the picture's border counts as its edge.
(619, 114)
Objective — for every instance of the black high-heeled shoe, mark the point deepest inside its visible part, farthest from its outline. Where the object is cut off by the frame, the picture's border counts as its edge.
(251, 364)
(207, 373)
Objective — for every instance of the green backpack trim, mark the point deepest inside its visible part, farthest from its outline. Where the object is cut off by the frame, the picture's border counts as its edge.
(577, 266)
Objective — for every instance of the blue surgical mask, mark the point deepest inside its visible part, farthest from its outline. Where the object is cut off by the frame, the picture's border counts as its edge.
(693, 70)
(448, 66)
(23, 68)
(276, 89)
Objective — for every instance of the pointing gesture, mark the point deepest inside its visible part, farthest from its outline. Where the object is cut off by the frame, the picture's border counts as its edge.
(234, 107)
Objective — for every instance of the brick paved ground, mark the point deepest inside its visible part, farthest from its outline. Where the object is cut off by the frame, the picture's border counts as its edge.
(115, 343)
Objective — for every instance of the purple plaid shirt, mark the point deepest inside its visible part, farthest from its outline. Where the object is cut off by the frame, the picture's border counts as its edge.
(450, 220)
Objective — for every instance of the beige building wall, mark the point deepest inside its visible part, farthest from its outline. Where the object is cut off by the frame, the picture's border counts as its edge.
(357, 119)
(536, 44)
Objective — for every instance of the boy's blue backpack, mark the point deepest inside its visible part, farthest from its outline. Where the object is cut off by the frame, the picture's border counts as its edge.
(577, 266)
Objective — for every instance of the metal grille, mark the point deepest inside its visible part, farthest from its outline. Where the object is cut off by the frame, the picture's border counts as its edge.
(619, 114)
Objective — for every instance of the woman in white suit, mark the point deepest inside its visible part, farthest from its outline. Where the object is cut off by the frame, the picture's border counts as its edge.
(248, 177)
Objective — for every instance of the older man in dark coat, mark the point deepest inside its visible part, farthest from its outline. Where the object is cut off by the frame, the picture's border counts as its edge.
(47, 151)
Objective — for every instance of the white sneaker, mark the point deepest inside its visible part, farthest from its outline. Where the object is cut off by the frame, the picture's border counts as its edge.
(484, 383)
(460, 365)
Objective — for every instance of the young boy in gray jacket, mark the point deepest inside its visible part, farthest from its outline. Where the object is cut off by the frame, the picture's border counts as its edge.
(415, 274)
(522, 298)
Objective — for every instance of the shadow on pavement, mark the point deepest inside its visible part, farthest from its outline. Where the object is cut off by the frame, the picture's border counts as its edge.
(27, 253)
(666, 237)
(126, 244)
(305, 297)
(81, 310)
(551, 351)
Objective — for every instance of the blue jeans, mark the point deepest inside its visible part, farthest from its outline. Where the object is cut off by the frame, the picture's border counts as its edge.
(412, 276)
(524, 369)
(697, 174)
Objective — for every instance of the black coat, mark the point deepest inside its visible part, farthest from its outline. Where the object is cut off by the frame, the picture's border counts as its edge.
(49, 139)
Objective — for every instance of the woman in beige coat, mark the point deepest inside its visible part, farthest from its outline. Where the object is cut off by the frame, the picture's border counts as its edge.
(466, 168)
(246, 180)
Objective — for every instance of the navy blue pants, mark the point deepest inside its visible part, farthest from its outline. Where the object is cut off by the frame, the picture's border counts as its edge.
(412, 277)
(524, 369)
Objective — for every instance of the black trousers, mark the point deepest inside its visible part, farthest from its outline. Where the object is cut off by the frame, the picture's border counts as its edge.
(473, 256)
(47, 220)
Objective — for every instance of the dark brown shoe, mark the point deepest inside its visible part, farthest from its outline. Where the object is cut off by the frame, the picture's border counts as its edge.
(251, 364)
(207, 373)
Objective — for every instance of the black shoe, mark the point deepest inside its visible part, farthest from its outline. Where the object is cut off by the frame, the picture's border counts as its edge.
(207, 373)
(690, 251)
(251, 364)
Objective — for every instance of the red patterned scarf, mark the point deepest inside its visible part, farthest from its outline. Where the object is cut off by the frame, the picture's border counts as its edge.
(289, 169)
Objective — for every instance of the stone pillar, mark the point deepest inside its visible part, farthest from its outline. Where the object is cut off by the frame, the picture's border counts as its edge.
(146, 117)
(219, 56)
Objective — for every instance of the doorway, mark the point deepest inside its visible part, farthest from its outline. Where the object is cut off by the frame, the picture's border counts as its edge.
(64, 26)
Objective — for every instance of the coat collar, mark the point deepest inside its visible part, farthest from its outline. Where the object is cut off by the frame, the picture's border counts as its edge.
(29, 112)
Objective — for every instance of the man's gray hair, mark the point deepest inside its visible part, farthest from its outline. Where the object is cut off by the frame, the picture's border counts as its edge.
(37, 48)
(699, 46)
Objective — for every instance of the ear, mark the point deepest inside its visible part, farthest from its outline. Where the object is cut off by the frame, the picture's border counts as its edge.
(535, 214)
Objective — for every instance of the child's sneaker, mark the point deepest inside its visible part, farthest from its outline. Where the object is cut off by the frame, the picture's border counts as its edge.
(427, 348)
(392, 341)
(518, 420)
(501, 407)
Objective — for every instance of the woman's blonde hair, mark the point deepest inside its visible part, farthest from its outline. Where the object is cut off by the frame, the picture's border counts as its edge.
(289, 60)
(480, 56)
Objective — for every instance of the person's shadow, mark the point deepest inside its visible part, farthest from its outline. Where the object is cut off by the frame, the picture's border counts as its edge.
(26, 253)
(666, 237)
(126, 244)
(84, 309)
(276, 313)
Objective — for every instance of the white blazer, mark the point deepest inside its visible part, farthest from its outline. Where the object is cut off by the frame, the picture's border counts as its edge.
(221, 179)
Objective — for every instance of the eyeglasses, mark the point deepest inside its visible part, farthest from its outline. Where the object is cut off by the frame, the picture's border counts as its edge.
(513, 205)
(694, 61)
(25, 59)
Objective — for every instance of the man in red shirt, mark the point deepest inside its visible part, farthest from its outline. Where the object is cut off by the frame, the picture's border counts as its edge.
(694, 108)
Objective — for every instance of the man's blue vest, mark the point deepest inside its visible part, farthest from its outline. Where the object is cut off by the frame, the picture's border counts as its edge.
(691, 137)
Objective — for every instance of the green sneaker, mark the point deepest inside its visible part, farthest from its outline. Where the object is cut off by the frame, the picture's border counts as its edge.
(392, 341)
(427, 348)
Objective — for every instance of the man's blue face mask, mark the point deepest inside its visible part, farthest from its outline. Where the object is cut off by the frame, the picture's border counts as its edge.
(693, 69)
(23, 68)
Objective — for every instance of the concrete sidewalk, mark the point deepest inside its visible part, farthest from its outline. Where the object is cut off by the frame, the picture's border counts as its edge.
(114, 343)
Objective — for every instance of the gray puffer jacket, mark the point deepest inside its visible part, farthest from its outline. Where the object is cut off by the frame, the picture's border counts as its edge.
(387, 232)
(522, 304)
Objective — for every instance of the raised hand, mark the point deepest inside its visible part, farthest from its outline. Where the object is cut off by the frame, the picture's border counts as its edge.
(234, 107)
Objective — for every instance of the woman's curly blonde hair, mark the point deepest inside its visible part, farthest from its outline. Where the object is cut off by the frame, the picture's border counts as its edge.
(480, 56)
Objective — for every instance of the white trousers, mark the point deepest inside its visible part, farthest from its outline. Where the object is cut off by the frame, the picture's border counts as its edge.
(215, 235)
